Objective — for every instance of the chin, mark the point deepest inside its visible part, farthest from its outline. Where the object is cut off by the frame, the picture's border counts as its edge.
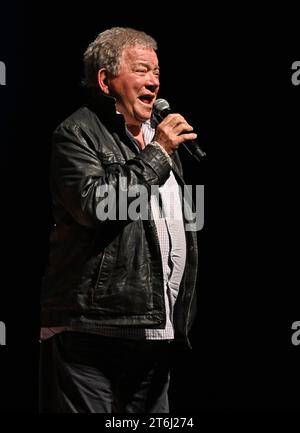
(146, 115)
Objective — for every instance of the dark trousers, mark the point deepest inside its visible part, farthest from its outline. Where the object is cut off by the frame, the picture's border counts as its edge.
(87, 373)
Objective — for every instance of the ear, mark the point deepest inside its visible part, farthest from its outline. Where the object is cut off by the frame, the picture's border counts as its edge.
(103, 81)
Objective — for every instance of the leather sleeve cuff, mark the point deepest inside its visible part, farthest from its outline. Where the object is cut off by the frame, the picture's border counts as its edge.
(154, 143)
(155, 156)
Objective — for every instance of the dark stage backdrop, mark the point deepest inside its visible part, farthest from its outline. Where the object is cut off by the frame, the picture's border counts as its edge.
(229, 72)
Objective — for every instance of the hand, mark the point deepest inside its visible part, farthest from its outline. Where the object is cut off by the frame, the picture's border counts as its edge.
(172, 131)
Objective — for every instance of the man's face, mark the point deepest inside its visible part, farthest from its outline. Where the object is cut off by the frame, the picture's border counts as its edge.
(137, 85)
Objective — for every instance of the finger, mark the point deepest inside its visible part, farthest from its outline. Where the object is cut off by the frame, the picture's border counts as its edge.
(182, 128)
(174, 119)
(186, 137)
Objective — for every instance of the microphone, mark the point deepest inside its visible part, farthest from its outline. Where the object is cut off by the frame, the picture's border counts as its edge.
(161, 108)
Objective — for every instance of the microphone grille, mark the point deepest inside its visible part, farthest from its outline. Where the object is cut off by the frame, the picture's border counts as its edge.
(161, 105)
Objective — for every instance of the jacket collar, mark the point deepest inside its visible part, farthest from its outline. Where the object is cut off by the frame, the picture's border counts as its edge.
(102, 104)
(105, 108)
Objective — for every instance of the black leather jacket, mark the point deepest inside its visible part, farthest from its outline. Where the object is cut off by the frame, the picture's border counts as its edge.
(109, 272)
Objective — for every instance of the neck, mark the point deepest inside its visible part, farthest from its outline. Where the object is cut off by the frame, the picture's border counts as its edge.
(137, 133)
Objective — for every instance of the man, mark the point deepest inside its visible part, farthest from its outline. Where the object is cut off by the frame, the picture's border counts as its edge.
(108, 300)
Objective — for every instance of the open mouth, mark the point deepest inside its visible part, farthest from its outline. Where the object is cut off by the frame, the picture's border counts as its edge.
(146, 99)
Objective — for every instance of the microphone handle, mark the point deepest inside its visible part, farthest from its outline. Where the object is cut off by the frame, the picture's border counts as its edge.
(194, 150)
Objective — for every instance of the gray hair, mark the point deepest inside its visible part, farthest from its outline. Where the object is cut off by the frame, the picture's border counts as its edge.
(106, 51)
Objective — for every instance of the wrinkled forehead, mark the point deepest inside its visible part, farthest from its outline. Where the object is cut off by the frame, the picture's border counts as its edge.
(139, 54)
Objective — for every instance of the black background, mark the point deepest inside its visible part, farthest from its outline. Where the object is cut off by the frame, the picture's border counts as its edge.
(229, 72)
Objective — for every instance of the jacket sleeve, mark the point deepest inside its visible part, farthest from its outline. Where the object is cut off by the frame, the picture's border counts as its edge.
(80, 176)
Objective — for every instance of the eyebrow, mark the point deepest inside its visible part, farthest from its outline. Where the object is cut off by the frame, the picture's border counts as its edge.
(143, 63)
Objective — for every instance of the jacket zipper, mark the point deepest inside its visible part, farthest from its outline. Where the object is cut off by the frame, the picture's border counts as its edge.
(98, 278)
(153, 228)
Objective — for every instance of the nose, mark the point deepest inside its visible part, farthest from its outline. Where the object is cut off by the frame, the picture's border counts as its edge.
(152, 81)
